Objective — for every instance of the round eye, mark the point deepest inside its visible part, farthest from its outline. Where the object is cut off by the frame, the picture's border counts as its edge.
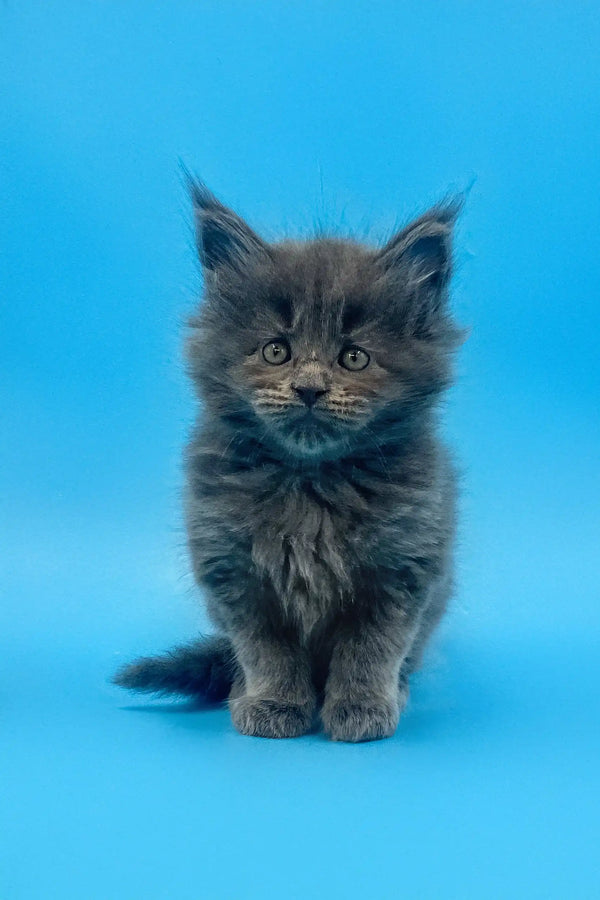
(354, 358)
(276, 352)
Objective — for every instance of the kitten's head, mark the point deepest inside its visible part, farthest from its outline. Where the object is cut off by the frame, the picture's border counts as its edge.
(319, 347)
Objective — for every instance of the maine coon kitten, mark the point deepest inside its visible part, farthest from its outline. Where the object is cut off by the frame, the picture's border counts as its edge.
(320, 500)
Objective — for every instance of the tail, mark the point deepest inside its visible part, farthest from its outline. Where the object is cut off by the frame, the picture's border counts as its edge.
(205, 669)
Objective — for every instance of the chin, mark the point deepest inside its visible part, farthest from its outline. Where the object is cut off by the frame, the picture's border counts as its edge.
(312, 441)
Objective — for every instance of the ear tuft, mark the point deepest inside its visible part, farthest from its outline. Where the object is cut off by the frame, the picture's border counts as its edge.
(223, 238)
(420, 258)
(423, 250)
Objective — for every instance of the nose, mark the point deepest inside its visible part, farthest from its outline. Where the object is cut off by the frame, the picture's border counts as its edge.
(309, 395)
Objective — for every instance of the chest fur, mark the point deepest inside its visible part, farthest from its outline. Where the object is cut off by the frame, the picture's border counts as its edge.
(305, 547)
(321, 543)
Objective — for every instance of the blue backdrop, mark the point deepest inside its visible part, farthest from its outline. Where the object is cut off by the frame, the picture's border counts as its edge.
(355, 114)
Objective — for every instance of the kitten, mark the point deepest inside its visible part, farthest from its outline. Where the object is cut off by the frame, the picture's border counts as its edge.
(320, 500)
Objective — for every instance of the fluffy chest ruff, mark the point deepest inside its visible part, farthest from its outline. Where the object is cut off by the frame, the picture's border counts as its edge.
(305, 547)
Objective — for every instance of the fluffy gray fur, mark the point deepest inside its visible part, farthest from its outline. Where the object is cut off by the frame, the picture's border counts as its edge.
(320, 500)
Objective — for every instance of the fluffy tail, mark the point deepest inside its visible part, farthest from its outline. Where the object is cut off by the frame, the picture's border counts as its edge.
(205, 669)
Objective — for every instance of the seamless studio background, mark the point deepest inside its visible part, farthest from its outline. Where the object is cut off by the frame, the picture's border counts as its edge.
(355, 115)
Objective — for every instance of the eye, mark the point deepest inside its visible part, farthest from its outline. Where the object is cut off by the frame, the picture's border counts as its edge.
(276, 352)
(354, 359)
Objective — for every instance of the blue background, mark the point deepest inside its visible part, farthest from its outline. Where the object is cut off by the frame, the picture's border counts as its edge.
(358, 115)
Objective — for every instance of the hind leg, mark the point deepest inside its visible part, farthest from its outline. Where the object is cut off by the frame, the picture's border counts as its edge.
(430, 619)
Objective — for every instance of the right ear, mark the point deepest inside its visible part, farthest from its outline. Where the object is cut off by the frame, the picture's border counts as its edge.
(222, 237)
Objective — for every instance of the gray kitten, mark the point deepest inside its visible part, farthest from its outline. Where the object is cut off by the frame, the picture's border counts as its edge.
(320, 501)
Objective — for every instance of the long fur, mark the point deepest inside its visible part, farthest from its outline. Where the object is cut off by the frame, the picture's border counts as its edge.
(204, 669)
(322, 538)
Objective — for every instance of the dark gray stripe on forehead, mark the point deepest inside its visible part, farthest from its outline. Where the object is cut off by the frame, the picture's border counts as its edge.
(325, 282)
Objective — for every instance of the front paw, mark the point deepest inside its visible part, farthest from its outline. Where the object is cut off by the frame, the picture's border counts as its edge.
(360, 720)
(270, 718)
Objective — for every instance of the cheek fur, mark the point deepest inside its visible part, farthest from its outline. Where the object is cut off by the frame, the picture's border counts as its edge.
(358, 395)
(344, 402)
(267, 388)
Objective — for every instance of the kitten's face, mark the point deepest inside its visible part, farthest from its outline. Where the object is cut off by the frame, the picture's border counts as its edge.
(318, 363)
(313, 392)
(323, 345)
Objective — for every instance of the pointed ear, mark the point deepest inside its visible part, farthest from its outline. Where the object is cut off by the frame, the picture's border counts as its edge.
(421, 253)
(222, 237)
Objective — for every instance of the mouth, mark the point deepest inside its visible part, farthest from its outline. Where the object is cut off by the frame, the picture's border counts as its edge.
(310, 414)
(311, 419)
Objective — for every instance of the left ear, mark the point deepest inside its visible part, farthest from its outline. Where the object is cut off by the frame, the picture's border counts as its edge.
(421, 254)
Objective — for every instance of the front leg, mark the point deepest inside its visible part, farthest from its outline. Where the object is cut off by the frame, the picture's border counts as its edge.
(272, 695)
(364, 694)
(275, 697)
